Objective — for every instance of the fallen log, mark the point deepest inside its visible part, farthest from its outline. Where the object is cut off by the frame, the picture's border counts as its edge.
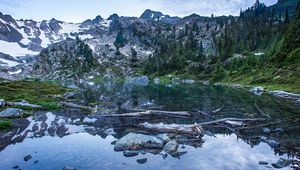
(178, 113)
(134, 114)
(24, 104)
(232, 121)
(76, 106)
(174, 128)
(150, 112)
(261, 112)
(218, 110)
(194, 129)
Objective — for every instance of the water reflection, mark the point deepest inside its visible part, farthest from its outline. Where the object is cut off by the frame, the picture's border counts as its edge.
(69, 137)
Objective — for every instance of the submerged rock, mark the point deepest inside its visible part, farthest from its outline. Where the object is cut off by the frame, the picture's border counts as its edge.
(130, 153)
(263, 163)
(68, 168)
(141, 161)
(281, 163)
(272, 143)
(171, 147)
(134, 141)
(266, 130)
(278, 130)
(27, 158)
(12, 112)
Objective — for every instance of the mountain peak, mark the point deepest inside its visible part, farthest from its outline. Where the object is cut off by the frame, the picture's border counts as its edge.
(150, 14)
(113, 17)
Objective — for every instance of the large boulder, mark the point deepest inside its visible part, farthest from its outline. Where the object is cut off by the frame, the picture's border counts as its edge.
(171, 147)
(134, 141)
(11, 113)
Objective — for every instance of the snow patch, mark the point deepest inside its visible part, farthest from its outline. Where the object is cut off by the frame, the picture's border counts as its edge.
(86, 36)
(8, 63)
(14, 49)
(15, 72)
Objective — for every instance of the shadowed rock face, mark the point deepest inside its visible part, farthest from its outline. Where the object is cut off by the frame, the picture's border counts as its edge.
(7, 32)
(67, 59)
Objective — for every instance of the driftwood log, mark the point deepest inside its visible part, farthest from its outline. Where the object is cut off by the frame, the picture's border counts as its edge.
(195, 129)
(174, 128)
(23, 104)
(76, 106)
(151, 112)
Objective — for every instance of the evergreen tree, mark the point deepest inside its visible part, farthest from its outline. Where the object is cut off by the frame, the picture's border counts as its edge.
(133, 55)
(298, 11)
(287, 18)
(120, 40)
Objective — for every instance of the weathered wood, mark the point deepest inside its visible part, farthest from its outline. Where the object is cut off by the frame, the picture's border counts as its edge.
(134, 114)
(76, 106)
(218, 110)
(195, 129)
(174, 128)
(24, 104)
(260, 111)
(149, 112)
(174, 113)
(230, 120)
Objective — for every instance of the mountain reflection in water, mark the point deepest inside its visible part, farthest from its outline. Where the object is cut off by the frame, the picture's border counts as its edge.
(72, 138)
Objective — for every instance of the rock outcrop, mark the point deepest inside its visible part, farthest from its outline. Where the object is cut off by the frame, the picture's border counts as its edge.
(63, 60)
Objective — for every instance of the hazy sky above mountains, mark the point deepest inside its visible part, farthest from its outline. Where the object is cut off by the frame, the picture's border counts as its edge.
(80, 10)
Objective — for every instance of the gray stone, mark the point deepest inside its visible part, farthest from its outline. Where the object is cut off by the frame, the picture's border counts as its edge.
(2, 103)
(27, 158)
(141, 161)
(163, 137)
(257, 90)
(11, 113)
(266, 130)
(130, 153)
(134, 141)
(188, 81)
(278, 130)
(263, 163)
(272, 143)
(69, 95)
(73, 86)
(141, 81)
(281, 163)
(171, 147)
(68, 168)
(156, 81)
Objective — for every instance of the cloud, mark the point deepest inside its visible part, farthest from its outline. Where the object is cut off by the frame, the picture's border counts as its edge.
(206, 7)
(12, 3)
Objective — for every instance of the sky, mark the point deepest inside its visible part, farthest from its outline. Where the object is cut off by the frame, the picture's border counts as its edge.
(79, 10)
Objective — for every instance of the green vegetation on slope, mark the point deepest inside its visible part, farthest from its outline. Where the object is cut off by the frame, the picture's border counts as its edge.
(260, 47)
(5, 124)
(33, 92)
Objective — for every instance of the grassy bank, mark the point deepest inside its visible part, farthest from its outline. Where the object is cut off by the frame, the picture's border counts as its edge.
(34, 92)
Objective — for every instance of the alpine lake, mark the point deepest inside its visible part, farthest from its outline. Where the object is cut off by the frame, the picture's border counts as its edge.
(70, 138)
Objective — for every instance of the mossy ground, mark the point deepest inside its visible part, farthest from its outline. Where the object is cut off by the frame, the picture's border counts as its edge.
(286, 78)
(5, 124)
(34, 92)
